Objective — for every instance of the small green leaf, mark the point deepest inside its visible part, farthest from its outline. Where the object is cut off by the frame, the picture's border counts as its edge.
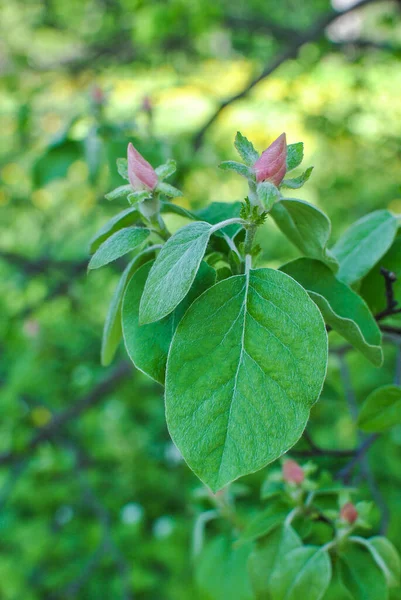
(340, 306)
(307, 227)
(221, 572)
(246, 364)
(148, 345)
(364, 244)
(263, 523)
(295, 155)
(123, 219)
(167, 169)
(121, 192)
(174, 271)
(297, 182)
(267, 556)
(112, 332)
(120, 243)
(168, 190)
(302, 573)
(169, 207)
(138, 196)
(268, 194)
(245, 149)
(220, 211)
(360, 574)
(381, 409)
(232, 165)
(122, 168)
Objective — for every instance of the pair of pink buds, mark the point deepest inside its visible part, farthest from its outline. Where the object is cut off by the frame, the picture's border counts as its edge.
(271, 166)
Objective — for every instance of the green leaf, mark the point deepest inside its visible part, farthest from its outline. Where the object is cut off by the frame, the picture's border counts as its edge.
(360, 574)
(123, 219)
(295, 155)
(174, 271)
(385, 556)
(167, 169)
(302, 573)
(246, 364)
(168, 190)
(122, 168)
(169, 207)
(221, 573)
(215, 212)
(337, 589)
(118, 244)
(148, 345)
(381, 409)
(268, 194)
(120, 192)
(373, 286)
(112, 332)
(307, 227)
(232, 165)
(340, 306)
(263, 523)
(245, 149)
(364, 244)
(267, 556)
(297, 182)
(138, 196)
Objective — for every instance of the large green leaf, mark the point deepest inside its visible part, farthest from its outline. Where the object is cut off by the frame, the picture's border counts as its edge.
(337, 589)
(263, 523)
(363, 244)
(373, 286)
(148, 345)
(221, 573)
(303, 573)
(246, 364)
(361, 575)
(119, 221)
(112, 331)
(381, 409)
(220, 211)
(174, 271)
(267, 556)
(341, 307)
(117, 245)
(385, 556)
(307, 227)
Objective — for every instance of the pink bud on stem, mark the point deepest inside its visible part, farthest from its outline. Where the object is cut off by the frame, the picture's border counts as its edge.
(292, 472)
(349, 513)
(141, 174)
(272, 164)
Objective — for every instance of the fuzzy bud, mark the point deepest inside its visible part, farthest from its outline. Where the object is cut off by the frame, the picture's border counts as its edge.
(141, 174)
(349, 513)
(272, 164)
(292, 472)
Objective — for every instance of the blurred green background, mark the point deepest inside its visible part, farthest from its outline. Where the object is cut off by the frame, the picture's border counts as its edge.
(95, 502)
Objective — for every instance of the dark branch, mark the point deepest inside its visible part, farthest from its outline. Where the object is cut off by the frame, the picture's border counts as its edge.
(391, 303)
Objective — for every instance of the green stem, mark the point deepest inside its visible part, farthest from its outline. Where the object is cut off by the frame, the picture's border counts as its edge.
(249, 237)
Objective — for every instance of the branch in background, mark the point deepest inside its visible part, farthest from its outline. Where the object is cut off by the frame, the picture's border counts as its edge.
(391, 303)
(313, 33)
(252, 25)
(34, 267)
(61, 419)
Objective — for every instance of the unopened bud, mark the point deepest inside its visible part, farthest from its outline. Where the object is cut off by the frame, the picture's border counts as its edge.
(292, 472)
(141, 174)
(349, 513)
(272, 164)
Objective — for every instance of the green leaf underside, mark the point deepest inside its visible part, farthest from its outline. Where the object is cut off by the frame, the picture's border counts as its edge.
(295, 155)
(340, 306)
(307, 227)
(266, 557)
(381, 410)
(167, 169)
(120, 192)
(373, 285)
(297, 182)
(112, 331)
(122, 168)
(148, 345)
(245, 149)
(360, 574)
(221, 573)
(173, 272)
(117, 245)
(169, 207)
(268, 194)
(123, 219)
(363, 244)
(246, 364)
(303, 573)
(220, 211)
(239, 168)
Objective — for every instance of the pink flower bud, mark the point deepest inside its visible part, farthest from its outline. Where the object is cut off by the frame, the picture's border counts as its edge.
(271, 166)
(98, 95)
(141, 174)
(349, 513)
(292, 472)
(147, 104)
